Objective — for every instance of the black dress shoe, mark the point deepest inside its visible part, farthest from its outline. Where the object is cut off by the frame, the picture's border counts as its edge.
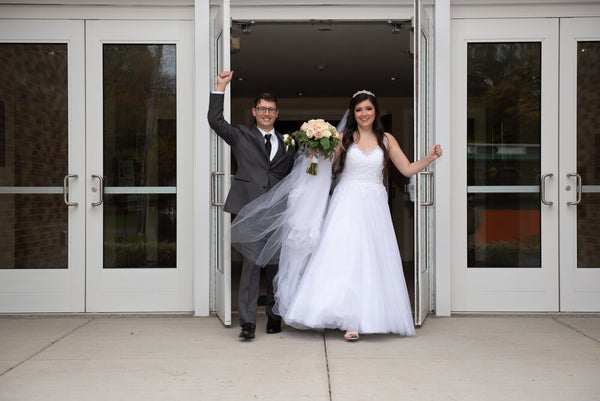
(247, 330)
(273, 326)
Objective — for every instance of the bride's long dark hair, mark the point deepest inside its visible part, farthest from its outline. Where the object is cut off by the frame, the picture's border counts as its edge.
(351, 133)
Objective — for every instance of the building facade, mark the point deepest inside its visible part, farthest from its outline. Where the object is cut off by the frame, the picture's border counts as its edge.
(112, 184)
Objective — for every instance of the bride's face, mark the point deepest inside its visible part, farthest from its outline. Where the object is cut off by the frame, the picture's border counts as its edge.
(364, 113)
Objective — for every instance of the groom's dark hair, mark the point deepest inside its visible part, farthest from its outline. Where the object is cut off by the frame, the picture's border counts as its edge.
(269, 97)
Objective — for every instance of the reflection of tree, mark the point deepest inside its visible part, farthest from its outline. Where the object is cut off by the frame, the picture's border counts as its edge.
(504, 254)
(139, 131)
(506, 77)
(139, 90)
(504, 110)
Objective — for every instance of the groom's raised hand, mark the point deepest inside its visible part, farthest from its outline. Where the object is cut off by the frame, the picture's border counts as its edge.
(223, 79)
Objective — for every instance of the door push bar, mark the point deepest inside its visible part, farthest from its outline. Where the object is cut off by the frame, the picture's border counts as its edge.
(431, 185)
(579, 189)
(66, 189)
(213, 181)
(101, 189)
(543, 189)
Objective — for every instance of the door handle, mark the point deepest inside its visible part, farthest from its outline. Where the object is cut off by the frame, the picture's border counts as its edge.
(430, 174)
(66, 189)
(579, 189)
(213, 191)
(543, 189)
(100, 189)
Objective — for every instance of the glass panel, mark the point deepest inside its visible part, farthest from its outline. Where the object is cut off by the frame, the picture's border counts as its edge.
(425, 184)
(33, 155)
(503, 154)
(504, 230)
(220, 195)
(588, 153)
(140, 231)
(140, 130)
(34, 232)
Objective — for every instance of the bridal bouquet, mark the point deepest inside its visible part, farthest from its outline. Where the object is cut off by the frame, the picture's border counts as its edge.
(315, 137)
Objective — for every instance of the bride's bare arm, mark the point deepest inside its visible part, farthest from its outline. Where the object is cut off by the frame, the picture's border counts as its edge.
(402, 163)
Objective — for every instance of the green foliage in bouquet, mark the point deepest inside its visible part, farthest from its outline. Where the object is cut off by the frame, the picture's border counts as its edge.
(316, 137)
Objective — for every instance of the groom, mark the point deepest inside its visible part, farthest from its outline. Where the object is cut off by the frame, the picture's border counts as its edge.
(262, 161)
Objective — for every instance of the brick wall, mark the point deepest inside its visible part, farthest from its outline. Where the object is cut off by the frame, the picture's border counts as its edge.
(588, 151)
(33, 90)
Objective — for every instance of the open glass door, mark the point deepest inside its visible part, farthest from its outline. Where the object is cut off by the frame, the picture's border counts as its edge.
(221, 170)
(579, 165)
(424, 181)
(42, 140)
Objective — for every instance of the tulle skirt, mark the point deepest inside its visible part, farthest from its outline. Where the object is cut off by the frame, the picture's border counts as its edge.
(354, 278)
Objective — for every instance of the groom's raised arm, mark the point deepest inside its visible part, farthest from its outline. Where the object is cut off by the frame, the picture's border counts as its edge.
(217, 122)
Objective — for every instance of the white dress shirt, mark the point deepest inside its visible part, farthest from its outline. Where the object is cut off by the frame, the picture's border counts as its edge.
(274, 142)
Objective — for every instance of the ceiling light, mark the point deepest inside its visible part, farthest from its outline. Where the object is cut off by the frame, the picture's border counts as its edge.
(397, 26)
(322, 25)
(245, 25)
(321, 67)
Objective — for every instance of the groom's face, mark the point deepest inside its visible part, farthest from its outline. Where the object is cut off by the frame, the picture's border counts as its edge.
(265, 113)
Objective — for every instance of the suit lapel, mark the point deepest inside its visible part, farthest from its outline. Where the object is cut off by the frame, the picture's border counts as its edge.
(259, 141)
(280, 148)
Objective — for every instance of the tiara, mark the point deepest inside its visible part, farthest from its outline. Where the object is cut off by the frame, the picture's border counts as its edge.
(365, 92)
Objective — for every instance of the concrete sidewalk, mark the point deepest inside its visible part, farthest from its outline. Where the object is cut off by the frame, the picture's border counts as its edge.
(541, 357)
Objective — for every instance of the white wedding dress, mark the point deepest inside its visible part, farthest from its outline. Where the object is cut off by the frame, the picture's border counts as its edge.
(353, 279)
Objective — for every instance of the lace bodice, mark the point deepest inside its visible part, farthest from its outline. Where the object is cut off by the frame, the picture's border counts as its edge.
(363, 166)
(363, 170)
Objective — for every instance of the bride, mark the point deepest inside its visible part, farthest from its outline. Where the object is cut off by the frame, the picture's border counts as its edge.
(339, 263)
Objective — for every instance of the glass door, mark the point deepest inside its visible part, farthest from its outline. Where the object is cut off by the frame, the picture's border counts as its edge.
(221, 170)
(505, 99)
(42, 166)
(139, 180)
(424, 181)
(579, 178)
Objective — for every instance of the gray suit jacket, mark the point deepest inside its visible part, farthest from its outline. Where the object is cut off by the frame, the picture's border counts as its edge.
(255, 174)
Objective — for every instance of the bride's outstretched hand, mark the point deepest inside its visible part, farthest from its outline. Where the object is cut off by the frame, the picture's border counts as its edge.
(435, 152)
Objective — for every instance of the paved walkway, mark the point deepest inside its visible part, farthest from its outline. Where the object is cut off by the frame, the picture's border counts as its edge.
(553, 357)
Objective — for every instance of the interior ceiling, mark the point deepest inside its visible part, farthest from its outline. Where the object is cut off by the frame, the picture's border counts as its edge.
(322, 59)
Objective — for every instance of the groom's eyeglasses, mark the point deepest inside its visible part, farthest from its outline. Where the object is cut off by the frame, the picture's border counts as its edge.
(264, 110)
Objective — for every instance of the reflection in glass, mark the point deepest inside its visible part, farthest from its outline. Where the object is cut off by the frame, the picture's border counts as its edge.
(34, 232)
(140, 230)
(220, 246)
(503, 154)
(33, 153)
(424, 143)
(33, 93)
(504, 230)
(139, 115)
(588, 153)
(140, 128)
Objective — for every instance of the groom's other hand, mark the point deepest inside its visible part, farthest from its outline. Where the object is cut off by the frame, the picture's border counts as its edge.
(223, 79)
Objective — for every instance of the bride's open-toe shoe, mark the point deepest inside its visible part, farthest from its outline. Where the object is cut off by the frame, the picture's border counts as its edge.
(351, 335)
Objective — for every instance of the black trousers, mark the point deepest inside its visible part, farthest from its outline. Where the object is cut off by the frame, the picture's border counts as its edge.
(249, 289)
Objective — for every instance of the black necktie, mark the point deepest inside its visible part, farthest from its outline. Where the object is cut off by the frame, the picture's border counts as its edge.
(268, 145)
